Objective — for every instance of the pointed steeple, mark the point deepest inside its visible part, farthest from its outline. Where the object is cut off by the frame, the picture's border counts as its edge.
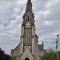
(29, 9)
(29, 6)
(29, 1)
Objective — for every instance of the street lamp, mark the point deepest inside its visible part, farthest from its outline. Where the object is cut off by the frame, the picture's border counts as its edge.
(57, 46)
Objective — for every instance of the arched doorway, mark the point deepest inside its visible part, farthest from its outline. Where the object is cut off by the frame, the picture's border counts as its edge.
(27, 59)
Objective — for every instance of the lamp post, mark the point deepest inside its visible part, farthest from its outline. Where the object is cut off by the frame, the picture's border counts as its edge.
(57, 46)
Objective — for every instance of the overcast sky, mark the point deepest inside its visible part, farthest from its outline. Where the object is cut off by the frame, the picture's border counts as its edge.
(47, 21)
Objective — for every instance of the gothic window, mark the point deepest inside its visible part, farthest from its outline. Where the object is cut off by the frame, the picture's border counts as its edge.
(28, 17)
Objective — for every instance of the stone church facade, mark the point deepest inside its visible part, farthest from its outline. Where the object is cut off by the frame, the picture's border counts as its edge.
(28, 48)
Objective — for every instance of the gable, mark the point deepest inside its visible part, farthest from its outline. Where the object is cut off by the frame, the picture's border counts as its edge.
(26, 54)
(15, 51)
(17, 47)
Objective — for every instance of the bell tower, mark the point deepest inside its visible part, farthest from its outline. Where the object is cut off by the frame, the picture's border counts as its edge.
(28, 27)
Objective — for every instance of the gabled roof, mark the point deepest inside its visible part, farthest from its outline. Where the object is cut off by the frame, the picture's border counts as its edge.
(36, 35)
(15, 47)
(40, 46)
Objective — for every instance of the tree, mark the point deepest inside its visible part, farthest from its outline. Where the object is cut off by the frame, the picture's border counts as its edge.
(3, 56)
(50, 56)
(11, 58)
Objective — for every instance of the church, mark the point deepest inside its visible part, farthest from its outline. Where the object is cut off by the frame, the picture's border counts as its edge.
(28, 48)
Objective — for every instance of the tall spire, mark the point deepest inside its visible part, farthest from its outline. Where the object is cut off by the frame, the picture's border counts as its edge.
(29, 1)
(29, 6)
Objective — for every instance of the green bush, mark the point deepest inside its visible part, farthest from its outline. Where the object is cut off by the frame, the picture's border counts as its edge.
(50, 56)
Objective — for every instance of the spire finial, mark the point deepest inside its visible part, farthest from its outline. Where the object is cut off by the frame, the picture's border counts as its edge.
(29, 6)
(29, 1)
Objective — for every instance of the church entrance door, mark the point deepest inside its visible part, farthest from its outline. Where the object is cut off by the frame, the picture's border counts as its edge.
(27, 59)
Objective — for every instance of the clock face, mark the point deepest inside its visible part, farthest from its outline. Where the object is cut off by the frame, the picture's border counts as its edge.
(27, 23)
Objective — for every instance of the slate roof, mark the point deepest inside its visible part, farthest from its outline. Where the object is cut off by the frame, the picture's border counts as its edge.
(41, 47)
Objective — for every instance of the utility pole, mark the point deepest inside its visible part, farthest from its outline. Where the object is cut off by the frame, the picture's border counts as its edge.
(57, 46)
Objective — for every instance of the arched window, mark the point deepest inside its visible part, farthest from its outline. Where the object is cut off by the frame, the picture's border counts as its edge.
(28, 17)
(27, 59)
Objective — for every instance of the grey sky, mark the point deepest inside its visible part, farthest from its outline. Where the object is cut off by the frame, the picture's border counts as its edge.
(47, 21)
